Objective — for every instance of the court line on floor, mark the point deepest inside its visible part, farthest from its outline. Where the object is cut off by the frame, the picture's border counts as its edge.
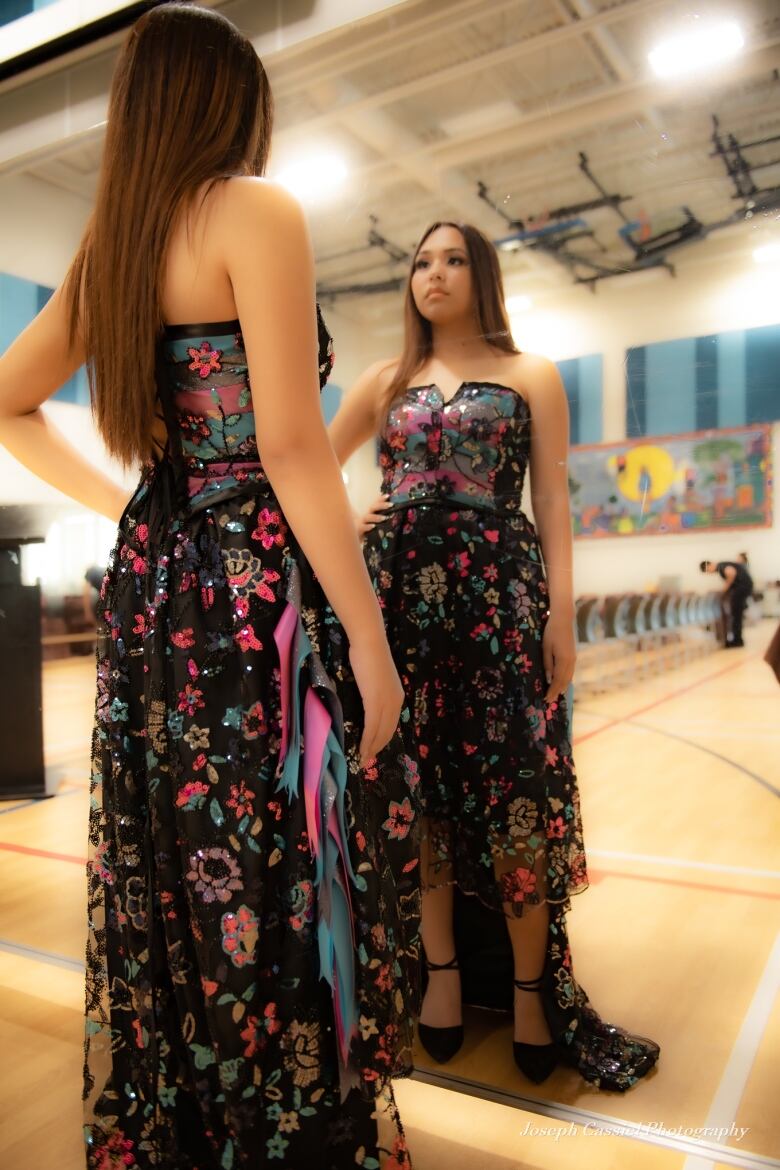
(684, 863)
(712, 727)
(649, 729)
(655, 880)
(28, 851)
(16, 807)
(708, 751)
(631, 721)
(657, 702)
(735, 1076)
(40, 956)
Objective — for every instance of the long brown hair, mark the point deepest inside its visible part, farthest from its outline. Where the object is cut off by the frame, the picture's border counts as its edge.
(490, 311)
(190, 104)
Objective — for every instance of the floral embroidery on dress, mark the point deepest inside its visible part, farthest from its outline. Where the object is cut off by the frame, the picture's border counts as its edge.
(205, 359)
(458, 571)
(221, 1032)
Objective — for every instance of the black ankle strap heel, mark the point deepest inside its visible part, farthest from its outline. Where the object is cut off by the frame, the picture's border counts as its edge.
(453, 965)
(441, 1044)
(535, 1061)
(528, 984)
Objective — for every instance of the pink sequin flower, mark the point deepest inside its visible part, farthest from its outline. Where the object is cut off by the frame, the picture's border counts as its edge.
(205, 359)
(401, 815)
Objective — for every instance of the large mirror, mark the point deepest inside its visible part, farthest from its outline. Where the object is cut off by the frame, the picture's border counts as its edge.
(634, 207)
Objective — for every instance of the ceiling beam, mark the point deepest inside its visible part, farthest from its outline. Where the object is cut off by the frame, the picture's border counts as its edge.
(485, 62)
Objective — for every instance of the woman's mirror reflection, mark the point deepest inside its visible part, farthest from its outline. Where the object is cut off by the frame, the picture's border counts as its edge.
(480, 619)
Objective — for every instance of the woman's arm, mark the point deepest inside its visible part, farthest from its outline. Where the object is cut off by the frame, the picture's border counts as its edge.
(266, 245)
(354, 424)
(31, 369)
(552, 515)
(355, 421)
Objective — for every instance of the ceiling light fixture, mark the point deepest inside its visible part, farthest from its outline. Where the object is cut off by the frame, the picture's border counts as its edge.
(315, 177)
(518, 304)
(699, 48)
(766, 253)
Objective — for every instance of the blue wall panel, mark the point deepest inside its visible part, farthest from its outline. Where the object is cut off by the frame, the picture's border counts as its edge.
(13, 9)
(591, 398)
(700, 383)
(18, 306)
(762, 374)
(731, 378)
(331, 400)
(20, 301)
(570, 376)
(582, 380)
(670, 387)
(636, 394)
(706, 371)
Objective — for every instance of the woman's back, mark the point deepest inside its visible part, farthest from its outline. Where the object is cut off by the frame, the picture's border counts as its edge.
(253, 902)
(248, 877)
(196, 284)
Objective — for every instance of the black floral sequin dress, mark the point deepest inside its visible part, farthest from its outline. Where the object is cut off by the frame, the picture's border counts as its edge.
(459, 573)
(253, 894)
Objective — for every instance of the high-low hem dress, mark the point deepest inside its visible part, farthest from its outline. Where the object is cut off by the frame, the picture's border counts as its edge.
(458, 569)
(253, 958)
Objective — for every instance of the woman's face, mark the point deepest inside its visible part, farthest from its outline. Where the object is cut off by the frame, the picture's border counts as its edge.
(441, 277)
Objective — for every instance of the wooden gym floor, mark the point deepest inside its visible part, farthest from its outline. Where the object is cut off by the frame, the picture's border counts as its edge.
(677, 938)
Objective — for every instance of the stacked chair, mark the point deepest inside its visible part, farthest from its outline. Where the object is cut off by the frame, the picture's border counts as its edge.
(625, 637)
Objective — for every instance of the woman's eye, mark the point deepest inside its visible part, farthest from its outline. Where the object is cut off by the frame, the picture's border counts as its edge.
(420, 264)
(456, 260)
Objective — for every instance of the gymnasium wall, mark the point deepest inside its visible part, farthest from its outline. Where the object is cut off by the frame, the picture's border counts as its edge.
(729, 296)
(729, 302)
(590, 335)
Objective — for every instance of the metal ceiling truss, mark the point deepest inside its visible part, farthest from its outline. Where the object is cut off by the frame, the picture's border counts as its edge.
(556, 231)
(394, 253)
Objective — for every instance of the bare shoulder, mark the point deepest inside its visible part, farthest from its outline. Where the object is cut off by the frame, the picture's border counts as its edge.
(247, 192)
(533, 367)
(248, 203)
(374, 381)
(536, 377)
(384, 371)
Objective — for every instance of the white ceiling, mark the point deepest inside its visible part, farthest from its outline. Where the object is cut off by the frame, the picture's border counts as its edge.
(431, 98)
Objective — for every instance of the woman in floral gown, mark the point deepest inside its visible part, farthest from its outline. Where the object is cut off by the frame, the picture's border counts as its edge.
(479, 614)
(253, 889)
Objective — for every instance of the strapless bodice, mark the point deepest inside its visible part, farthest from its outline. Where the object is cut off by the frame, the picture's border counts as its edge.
(471, 449)
(203, 387)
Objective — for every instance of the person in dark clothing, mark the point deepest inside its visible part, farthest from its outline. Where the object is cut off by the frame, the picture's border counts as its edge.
(739, 587)
(93, 579)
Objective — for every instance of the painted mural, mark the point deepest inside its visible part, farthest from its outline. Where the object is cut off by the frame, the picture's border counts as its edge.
(680, 483)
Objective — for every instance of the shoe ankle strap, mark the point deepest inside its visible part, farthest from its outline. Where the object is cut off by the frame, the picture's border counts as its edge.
(451, 966)
(529, 984)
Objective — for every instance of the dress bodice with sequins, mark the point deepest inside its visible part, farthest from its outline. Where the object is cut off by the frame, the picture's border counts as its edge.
(470, 449)
(206, 398)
